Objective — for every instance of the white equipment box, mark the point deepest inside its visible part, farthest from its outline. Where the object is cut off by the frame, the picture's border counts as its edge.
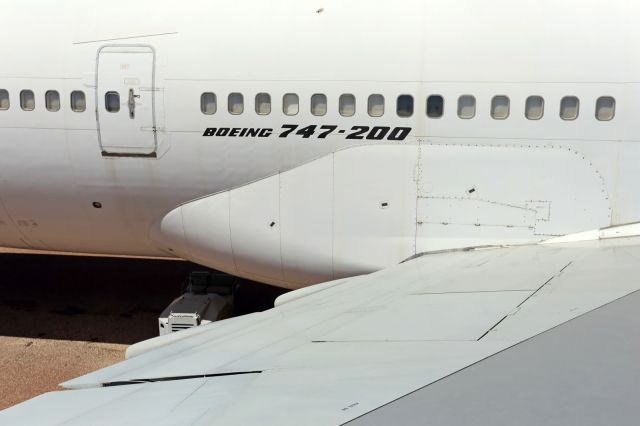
(192, 310)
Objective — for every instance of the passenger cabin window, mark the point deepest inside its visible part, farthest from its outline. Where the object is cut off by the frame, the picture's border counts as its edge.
(4, 100)
(290, 104)
(263, 104)
(500, 107)
(435, 106)
(27, 100)
(466, 107)
(404, 106)
(569, 108)
(235, 103)
(534, 108)
(112, 101)
(375, 105)
(318, 104)
(52, 100)
(347, 105)
(605, 108)
(208, 103)
(78, 101)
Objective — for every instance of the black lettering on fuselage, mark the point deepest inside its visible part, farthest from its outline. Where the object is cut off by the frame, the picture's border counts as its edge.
(238, 132)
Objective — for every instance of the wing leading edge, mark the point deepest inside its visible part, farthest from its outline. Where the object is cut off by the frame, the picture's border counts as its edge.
(336, 354)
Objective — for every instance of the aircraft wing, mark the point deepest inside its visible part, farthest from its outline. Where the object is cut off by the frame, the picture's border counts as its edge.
(339, 351)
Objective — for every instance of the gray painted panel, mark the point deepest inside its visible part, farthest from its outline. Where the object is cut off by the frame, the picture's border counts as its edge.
(584, 372)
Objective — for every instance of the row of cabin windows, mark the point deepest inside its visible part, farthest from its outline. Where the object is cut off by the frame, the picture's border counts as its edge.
(78, 100)
(291, 104)
(500, 106)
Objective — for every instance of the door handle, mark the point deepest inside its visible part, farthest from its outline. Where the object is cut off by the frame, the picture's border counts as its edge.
(132, 104)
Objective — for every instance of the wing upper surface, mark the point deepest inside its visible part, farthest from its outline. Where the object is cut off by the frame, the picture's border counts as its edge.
(335, 354)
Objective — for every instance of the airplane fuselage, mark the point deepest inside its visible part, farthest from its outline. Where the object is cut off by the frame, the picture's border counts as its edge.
(302, 142)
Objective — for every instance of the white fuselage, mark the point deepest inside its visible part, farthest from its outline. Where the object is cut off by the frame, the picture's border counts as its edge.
(293, 210)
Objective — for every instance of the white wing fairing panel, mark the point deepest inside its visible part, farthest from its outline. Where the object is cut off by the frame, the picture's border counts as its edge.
(365, 208)
(329, 356)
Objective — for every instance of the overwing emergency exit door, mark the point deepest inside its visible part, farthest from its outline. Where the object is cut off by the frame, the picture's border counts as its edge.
(125, 100)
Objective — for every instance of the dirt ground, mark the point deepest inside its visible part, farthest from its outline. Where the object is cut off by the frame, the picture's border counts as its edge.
(29, 367)
(63, 316)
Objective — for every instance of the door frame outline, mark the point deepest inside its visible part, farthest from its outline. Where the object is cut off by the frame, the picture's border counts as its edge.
(105, 153)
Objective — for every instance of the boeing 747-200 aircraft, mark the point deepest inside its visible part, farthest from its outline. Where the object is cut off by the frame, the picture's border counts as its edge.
(459, 179)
